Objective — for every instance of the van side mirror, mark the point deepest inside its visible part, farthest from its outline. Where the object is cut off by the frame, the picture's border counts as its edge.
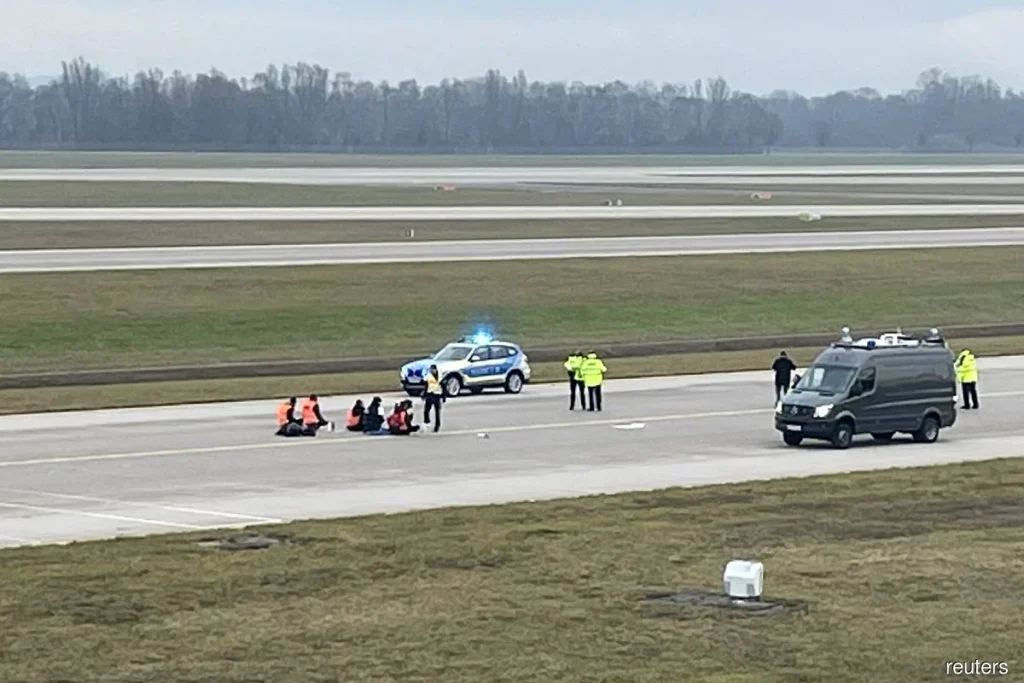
(857, 389)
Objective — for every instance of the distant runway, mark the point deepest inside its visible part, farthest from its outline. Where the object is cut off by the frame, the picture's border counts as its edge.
(492, 213)
(622, 175)
(65, 260)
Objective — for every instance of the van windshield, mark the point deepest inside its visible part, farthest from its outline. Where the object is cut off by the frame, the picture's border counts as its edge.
(830, 379)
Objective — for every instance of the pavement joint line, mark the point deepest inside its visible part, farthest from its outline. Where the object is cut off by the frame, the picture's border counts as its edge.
(159, 506)
(305, 443)
(99, 515)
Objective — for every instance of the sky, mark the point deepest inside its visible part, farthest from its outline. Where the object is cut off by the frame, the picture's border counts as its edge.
(798, 45)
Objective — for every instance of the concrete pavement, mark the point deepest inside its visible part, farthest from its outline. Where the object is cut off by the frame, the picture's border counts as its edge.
(623, 175)
(494, 213)
(159, 258)
(93, 475)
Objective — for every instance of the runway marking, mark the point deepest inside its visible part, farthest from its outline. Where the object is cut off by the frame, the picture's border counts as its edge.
(102, 515)
(349, 440)
(300, 442)
(159, 506)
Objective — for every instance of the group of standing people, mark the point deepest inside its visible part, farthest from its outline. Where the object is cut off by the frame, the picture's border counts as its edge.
(586, 375)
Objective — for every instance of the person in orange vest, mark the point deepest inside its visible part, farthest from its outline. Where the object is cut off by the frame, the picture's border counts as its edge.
(312, 419)
(400, 420)
(354, 417)
(287, 423)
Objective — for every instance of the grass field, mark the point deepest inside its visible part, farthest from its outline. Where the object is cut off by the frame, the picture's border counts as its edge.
(889, 575)
(77, 320)
(16, 193)
(34, 159)
(109, 234)
(49, 399)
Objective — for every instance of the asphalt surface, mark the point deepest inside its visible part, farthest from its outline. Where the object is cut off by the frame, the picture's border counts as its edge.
(493, 213)
(162, 258)
(624, 175)
(78, 476)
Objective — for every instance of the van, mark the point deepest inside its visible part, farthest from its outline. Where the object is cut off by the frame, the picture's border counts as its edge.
(881, 386)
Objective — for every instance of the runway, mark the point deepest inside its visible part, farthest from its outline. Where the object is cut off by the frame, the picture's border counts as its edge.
(163, 258)
(622, 175)
(77, 476)
(493, 213)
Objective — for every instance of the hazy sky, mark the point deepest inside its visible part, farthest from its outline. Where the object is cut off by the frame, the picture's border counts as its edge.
(809, 46)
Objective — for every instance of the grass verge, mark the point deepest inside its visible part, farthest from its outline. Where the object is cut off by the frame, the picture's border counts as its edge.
(48, 399)
(896, 573)
(112, 234)
(64, 159)
(16, 193)
(68, 321)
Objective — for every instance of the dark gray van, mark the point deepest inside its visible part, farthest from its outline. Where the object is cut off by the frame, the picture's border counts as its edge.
(895, 383)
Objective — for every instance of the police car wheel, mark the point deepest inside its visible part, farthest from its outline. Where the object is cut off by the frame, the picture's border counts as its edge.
(513, 383)
(453, 385)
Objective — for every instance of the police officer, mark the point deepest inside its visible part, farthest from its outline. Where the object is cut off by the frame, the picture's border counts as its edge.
(572, 368)
(967, 372)
(433, 397)
(593, 370)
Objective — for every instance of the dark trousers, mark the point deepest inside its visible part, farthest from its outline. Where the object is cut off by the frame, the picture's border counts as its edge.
(432, 401)
(595, 397)
(780, 390)
(970, 390)
(574, 386)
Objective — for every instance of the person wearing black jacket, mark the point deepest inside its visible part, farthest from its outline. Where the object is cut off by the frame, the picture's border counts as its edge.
(372, 419)
(784, 369)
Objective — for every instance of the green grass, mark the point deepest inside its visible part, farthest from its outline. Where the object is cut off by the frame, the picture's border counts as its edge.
(125, 319)
(48, 399)
(897, 573)
(91, 194)
(78, 235)
(9, 159)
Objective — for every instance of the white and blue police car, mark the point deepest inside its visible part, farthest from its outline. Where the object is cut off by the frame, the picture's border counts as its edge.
(473, 363)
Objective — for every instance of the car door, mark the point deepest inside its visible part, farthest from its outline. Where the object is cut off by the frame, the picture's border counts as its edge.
(480, 367)
(866, 406)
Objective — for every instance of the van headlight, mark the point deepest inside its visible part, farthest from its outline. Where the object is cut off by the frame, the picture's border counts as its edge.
(778, 407)
(823, 411)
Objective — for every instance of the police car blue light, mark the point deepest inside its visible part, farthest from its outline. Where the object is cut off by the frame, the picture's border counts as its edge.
(474, 363)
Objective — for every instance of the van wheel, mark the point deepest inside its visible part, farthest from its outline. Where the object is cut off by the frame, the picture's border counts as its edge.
(792, 439)
(929, 431)
(884, 437)
(843, 436)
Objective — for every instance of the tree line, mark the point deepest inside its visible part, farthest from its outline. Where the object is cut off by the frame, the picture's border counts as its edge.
(307, 107)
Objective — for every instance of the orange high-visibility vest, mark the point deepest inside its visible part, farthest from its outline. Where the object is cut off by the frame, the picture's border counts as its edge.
(282, 414)
(353, 419)
(308, 416)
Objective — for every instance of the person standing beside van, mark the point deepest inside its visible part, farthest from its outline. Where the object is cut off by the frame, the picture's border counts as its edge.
(784, 369)
(967, 372)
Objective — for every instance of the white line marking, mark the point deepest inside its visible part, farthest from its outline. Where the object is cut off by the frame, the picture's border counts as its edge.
(101, 515)
(159, 506)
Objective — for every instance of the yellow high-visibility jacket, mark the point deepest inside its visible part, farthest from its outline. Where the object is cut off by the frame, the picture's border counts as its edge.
(593, 370)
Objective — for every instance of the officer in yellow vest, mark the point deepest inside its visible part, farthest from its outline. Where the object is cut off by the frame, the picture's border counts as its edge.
(967, 372)
(434, 397)
(572, 368)
(593, 370)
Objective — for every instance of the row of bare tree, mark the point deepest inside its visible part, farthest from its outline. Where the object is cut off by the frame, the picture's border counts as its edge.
(307, 107)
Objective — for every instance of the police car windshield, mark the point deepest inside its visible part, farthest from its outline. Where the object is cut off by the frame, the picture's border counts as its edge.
(453, 352)
(823, 379)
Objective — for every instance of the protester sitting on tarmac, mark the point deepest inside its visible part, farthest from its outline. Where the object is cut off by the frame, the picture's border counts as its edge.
(312, 419)
(373, 421)
(287, 423)
(354, 417)
(400, 420)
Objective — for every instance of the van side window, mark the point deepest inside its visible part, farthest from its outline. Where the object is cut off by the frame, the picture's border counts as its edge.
(867, 380)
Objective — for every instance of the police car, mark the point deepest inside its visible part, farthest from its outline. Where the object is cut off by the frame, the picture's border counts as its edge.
(474, 363)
